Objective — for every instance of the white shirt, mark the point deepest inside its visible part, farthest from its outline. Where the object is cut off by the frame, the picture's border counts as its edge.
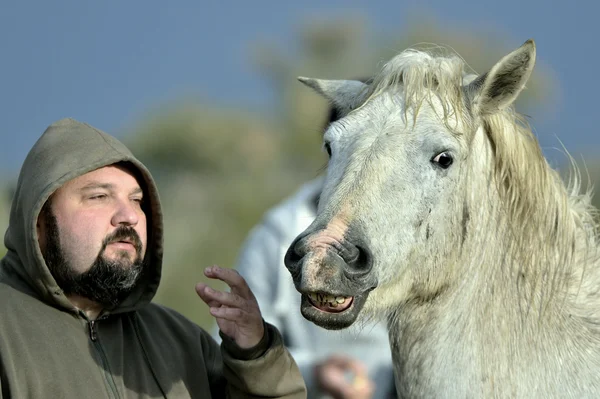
(261, 264)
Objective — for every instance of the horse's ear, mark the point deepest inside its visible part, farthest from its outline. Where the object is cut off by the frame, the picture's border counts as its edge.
(500, 87)
(345, 95)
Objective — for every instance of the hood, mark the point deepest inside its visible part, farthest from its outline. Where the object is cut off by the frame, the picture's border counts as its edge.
(66, 150)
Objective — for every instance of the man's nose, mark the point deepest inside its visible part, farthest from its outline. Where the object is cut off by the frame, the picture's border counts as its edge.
(126, 214)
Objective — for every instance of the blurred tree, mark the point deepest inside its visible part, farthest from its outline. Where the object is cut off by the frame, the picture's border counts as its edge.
(219, 169)
(345, 49)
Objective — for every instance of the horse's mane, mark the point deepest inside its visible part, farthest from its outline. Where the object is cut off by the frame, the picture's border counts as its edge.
(552, 225)
(423, 74)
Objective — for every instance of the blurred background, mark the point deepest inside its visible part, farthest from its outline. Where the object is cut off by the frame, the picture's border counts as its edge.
(205, 93)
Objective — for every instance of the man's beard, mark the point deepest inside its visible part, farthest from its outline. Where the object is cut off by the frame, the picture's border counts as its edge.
(106, 282)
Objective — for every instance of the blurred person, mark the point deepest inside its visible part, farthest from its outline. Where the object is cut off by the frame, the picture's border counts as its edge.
(85, 245)
(353, 364)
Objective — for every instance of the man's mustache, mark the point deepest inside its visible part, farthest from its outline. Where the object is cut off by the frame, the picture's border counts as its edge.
(124, 233)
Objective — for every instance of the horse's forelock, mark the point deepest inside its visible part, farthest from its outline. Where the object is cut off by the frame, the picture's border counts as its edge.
(423, 75)
(538, 208)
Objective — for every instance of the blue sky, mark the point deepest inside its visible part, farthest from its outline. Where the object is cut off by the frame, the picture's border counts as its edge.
(109, 62)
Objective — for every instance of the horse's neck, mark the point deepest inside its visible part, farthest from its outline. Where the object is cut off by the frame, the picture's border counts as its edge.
(512, 315)
(459, 349)
(489, 336)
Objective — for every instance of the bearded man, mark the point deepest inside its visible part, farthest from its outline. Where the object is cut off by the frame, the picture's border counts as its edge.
(85, 245)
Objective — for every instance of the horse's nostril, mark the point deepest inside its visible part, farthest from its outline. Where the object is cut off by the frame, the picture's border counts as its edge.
(351, 254)
(364, 257)
(294, 254)
(360, 259)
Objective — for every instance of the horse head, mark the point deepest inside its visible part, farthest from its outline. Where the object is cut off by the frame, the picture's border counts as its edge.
(398, 203)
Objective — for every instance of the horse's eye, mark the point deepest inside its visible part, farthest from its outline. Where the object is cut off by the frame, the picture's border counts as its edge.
(443, 159)
(328, 148)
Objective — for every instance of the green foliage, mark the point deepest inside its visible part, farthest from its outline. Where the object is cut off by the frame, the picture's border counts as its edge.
(219, 170)
(346, 49)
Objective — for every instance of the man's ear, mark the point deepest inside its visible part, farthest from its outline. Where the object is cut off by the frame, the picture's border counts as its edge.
(42, 224)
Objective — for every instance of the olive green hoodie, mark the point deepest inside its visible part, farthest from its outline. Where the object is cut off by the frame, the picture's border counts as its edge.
(49, 349)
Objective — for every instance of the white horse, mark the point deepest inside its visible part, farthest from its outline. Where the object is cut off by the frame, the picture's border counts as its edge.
(441, 215)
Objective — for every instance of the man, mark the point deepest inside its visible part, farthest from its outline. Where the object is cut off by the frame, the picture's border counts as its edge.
(354, 364)
(84, 261)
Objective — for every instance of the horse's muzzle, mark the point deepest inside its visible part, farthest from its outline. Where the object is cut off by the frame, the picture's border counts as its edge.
(320, 265)
(357, 260)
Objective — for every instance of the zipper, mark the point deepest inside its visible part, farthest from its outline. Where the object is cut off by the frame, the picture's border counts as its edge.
(110, 382)
(92, 330)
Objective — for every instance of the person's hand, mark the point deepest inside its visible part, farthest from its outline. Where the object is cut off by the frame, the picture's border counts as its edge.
(331, 375)
(237, 312)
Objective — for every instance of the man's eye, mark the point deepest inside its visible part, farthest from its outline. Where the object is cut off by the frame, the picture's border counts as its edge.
(97, 197)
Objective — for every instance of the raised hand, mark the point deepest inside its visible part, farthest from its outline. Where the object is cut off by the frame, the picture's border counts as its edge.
(237, 312)
(344, 378)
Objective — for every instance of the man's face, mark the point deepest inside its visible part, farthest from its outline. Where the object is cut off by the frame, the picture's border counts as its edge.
(93, 235)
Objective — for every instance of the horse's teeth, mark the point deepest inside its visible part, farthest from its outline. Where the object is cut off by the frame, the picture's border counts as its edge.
(326, 299)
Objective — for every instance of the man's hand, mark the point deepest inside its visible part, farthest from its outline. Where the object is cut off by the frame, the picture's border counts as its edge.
(332, 377)
(237, 312)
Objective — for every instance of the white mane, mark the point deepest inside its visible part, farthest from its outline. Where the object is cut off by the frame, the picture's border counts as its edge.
(489, 271)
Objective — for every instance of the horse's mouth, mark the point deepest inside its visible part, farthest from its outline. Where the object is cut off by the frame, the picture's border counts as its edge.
(329, 303)
(332, 312)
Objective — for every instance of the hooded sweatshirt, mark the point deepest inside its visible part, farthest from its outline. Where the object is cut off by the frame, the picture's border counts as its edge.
(50, 349)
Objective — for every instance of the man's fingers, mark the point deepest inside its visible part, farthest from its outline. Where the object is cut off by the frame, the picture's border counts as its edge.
(231, 314)
(211, 296)
(201, 291)
(339, 360)
(344, 363)
(232, 278)
(358, 368)
(348, 363)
